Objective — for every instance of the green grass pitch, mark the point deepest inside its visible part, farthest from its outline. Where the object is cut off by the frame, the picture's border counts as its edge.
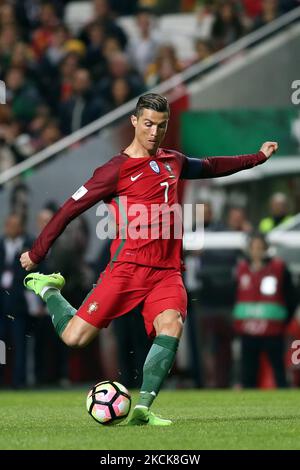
(202, 420)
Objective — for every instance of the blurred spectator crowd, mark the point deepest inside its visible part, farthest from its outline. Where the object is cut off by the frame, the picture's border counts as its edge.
(59, 79)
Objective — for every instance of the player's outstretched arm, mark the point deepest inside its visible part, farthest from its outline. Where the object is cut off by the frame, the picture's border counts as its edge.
(214, 167)
(100, 187)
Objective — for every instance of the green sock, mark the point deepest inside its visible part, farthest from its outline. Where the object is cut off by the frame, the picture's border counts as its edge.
(157, 366)
(60, 310)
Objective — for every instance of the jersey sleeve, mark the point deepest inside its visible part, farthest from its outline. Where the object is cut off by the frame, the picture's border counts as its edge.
(100, 187)
(213, 167)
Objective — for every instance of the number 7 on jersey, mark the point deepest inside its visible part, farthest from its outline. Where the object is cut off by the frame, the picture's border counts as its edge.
(166, 184)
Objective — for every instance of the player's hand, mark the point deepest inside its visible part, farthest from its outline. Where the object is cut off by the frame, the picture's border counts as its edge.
(26, 262)
(268, 148)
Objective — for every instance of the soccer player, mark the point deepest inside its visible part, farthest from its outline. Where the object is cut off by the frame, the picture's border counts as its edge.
(141, 270)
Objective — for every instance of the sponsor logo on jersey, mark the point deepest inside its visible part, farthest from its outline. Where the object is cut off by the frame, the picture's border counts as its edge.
(79, 193)
(133, 178)
(154, 166)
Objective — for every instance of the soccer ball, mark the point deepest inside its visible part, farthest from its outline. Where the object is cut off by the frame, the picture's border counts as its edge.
(108, 402)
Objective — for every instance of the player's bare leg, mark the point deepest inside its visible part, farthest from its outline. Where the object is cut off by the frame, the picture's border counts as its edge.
(168, 326)
(73, 331)
(78, 333)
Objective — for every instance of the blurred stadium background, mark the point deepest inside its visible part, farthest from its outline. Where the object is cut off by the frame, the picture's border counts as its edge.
(72, 72)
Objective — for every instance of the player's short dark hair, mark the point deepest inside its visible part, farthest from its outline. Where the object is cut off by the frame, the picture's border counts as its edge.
(152, 101)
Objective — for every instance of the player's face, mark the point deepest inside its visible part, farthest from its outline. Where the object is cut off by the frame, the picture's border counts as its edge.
(150, 129)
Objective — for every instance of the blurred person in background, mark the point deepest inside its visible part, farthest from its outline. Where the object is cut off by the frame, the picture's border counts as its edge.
(252, 8)
(49, 134)
(14, 312)
(9, 38)
(166, 65)
(209, 220)
(265, 303)
(48, 368)
(227, 26)
(43, 35)
(215, 296)
(132, 347)
(118, 66)
(94, 59)
(56, 50)
(7, 15)
(202, 357)
(82, 107)
(203, 50)
(279, 213)
(19, 200)
(111, 46)
(142, 48)
(103, 15)
(63, 82)
(119, 93)
(21, 95)
(13, 145)
(22, 57)
(205, 15)
(29, 12)
(40, 120)
(269, 12)
(68, 256)
(237, 220)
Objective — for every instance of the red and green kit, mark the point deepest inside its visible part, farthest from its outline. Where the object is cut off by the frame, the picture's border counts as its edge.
(146, 253)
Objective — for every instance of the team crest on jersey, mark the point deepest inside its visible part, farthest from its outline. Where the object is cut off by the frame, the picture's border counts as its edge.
(93, 307)
(154, 166)
(168, 167)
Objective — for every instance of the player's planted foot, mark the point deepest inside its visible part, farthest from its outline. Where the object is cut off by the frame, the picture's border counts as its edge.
(142, 416)
(40, 283)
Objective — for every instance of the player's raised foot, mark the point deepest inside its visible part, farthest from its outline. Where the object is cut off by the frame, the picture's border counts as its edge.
(39, 283)
(143, 416)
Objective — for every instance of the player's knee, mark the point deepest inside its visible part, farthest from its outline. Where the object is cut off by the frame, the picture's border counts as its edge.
(73, 339)
(174, 328)
(78, 333)
(169, 324)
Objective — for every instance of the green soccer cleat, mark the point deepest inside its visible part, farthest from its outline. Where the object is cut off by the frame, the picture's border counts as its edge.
(143, 416)
(37, 282)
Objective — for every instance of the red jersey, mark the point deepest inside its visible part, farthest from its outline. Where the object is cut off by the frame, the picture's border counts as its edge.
(149, 182)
